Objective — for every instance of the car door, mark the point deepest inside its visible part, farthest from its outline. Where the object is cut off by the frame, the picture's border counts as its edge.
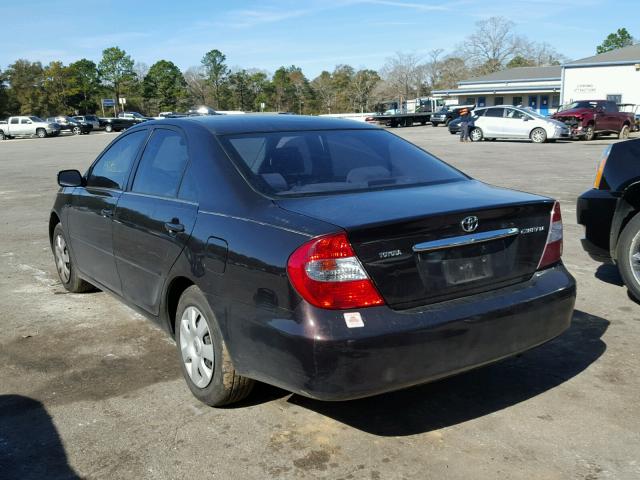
(516, 123)
(153, 222)
(90, 218)
(26, 127)
(14, 126)
(491, 122)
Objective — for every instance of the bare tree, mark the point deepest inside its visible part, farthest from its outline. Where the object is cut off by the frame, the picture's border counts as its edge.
(362, 86)
(433, 67)
(452, 70)
(324, 87)
(492, 45)
(399, 72)
(197, 84)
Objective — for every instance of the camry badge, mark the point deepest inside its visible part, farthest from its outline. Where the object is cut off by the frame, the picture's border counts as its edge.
(469, 224)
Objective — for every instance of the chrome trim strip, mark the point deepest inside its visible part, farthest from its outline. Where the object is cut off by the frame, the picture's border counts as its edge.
(462, 240)
(224, 215)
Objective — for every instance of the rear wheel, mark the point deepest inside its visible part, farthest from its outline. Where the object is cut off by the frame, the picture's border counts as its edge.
(475, 135)
(628, 256)
(64, 264)
(41, 132)
(2, 135)
(624, 133)
(204, 359)
(538, 135)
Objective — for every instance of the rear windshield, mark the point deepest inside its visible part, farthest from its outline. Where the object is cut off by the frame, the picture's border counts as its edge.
(331, 161)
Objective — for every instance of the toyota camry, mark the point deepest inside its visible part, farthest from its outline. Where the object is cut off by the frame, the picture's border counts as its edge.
(327, 257)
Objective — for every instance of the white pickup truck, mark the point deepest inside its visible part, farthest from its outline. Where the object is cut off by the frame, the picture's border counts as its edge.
(27, 126)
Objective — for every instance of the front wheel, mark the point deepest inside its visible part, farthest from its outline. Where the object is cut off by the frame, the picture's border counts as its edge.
(77, 130)
(41, 133)
(589, 133)
(64, 263)
(108, 128)
(435, 124)
(2, 135)
(538, 135)
(204, 358)
(475, 135)
(628, 256)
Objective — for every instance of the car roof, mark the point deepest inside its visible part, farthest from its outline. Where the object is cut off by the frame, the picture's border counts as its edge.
(249, 123)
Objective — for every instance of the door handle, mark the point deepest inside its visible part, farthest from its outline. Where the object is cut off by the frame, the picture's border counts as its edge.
(106, 213)
(173, 227)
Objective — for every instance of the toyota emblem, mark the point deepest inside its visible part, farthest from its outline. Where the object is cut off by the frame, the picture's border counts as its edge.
(469, 224)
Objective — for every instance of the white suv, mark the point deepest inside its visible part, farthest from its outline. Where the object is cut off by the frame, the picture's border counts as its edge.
(506, 121)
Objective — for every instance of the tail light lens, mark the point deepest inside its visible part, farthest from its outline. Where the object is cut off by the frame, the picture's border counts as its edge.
(553, 248)
(327, 274)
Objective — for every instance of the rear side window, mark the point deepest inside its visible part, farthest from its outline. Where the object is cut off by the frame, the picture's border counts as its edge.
(331, 161)
(162, 164)
(112, 170)
(14, 121)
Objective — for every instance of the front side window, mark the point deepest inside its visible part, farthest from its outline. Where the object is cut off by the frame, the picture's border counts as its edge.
(332, 161)
(162, 164)
(15, 121)
(495, 112)
(25, 121)
(517, 114)
(112, 170)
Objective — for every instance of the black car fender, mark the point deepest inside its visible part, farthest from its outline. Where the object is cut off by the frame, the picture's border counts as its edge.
(626, 208)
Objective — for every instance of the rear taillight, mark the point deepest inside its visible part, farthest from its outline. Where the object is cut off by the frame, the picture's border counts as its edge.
(600, 169)
(327, 274)
(553, 248)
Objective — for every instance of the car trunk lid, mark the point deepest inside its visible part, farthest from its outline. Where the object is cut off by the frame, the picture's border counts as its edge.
(413, 245)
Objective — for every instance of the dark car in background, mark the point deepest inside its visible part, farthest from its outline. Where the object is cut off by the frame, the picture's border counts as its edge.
(92, 120)
(71, 125)
(448, 114)
(609, 212)
(118, 124)
(330, 258)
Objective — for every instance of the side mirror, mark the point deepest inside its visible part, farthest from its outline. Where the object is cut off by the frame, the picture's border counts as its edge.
(70, 178)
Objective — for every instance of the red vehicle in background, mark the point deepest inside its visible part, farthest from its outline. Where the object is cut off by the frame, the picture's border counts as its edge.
(588, 118)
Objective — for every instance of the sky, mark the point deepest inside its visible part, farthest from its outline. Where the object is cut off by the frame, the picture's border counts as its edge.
(315, 35)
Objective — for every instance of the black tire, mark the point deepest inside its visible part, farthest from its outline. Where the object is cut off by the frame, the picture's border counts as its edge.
(538, 135)
(2, 135)
(72, 282)
(590, 133)
(624, 132)
(76, 130)
(108, 128)
(225, 385)
(435, 124)
(41, 133)
(476, 134)
(447, 122)
(623, 255)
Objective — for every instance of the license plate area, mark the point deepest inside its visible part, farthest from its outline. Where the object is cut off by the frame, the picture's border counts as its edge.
(464, 270)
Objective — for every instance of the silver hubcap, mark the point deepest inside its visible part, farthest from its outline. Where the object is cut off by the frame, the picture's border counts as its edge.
(62, 259)
(196, 347)
(475, 135)
(538, 136)
(634, 257)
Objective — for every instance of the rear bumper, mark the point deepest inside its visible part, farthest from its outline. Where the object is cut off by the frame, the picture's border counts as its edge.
(595, 210)
(316, 355)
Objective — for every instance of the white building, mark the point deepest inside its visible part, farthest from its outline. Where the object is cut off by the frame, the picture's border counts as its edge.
(613, 75)
(535, 87)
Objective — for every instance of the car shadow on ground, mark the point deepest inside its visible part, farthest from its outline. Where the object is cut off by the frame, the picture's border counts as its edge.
(476, 393)
(30, 447)
(609, 274)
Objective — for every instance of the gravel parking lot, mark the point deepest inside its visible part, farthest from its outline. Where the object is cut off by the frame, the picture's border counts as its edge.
(90, 389)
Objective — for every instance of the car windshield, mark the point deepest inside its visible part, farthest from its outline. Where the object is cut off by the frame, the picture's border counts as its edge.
(582, 104)
(36, 119)
(331, 161)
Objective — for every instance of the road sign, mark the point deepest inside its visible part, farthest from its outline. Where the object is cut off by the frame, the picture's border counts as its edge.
(108, 102)
(122, 100)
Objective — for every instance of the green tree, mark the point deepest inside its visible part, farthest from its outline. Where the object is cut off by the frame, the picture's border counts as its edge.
(242, 96)
(85, 85)
(56, 83)
(217, 73)
(164, 86)
(620, 38)
(520, 61)
(361, 88)
(26, 79)
(4, 96)
(116, 69)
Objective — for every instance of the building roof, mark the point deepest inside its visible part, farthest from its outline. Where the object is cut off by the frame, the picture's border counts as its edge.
(519, 74)
(625, 55)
